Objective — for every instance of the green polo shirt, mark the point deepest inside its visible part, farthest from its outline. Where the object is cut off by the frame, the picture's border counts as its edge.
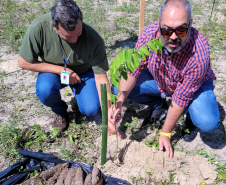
(41, 40)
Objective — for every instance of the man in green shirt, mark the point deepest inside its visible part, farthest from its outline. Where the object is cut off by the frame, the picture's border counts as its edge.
(65, 51)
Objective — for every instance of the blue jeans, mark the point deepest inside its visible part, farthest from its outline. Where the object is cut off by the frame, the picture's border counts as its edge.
(48, 87)
(203, 109)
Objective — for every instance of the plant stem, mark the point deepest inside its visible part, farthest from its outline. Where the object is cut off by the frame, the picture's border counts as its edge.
(103, 88)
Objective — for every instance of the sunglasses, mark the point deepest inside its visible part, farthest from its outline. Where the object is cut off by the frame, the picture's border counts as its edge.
(180, 31)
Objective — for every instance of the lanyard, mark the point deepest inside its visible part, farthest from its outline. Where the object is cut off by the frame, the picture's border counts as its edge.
(65, 61)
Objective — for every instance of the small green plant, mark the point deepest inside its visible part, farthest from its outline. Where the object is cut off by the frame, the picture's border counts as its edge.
(149, 173)
(153, 142)
(10, 140)
(36, 135)
(205, 154)
(65, 154)
(221, 169)
(171, 176)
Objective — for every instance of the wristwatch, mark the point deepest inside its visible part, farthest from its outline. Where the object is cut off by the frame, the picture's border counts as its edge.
(166, 134)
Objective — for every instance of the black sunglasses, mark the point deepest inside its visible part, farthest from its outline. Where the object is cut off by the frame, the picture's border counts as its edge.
(180, 31)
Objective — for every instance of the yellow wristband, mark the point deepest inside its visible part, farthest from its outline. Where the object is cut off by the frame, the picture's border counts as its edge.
(166, 134)
(108, 96)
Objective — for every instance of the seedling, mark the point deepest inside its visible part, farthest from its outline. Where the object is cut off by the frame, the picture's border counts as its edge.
(153, 142)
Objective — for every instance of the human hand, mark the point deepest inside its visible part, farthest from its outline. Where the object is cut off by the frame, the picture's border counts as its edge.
(73, 77)
(112, 129)
(164, 142)
(114, 114)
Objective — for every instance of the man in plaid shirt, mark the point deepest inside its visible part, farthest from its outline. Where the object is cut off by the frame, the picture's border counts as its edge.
(182, 71)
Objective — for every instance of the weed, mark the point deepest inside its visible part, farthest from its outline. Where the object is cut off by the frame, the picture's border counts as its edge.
(10, 140)
(221, 169)
(153, 142)
(65, 154)
(205, 154)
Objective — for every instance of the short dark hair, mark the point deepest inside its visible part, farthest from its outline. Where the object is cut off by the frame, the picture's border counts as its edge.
(66, 13)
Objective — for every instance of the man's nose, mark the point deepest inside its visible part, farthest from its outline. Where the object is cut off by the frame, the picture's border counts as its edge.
(173, 36)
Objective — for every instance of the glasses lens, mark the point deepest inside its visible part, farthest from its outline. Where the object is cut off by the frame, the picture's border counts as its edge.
(166, 32)
(181, 32)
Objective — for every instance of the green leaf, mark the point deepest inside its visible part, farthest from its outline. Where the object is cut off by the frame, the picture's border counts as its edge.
(128, 55)
(42, 137)
(222, 175)
(121, 92)
(30, 133)
(115, 80)
(75, 136)
(66, 92)
(152, 46)
(136, 61)
(114, 98)
(141, 55)
(118, 62)
(149, 173)
(113, 69)
(122, 56)
(129, 66)
(123, 73)
(158, 43)
(91, 146)
(28, 143)
(37, 127)
(70, 138)
(144, 50)
(55, 132)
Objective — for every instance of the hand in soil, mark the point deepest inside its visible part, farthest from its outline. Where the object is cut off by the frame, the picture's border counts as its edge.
(111, 130)
(164, 142)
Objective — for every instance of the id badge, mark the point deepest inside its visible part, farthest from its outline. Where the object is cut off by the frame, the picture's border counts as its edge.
(64, 77)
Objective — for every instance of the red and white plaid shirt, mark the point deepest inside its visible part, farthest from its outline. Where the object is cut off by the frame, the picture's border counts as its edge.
(180, 74)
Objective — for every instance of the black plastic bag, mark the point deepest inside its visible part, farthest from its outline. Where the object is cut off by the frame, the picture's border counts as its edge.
(41, 161)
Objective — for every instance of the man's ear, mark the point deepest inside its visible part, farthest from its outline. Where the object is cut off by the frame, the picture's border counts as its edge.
(53, 26)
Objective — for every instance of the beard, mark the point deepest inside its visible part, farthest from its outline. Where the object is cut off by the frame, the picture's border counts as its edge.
(173, 50)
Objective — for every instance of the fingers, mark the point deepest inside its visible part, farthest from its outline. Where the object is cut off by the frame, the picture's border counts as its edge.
(112, 130)
(74, 78)
(117, 116)
(164, 142)
(114, 115)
